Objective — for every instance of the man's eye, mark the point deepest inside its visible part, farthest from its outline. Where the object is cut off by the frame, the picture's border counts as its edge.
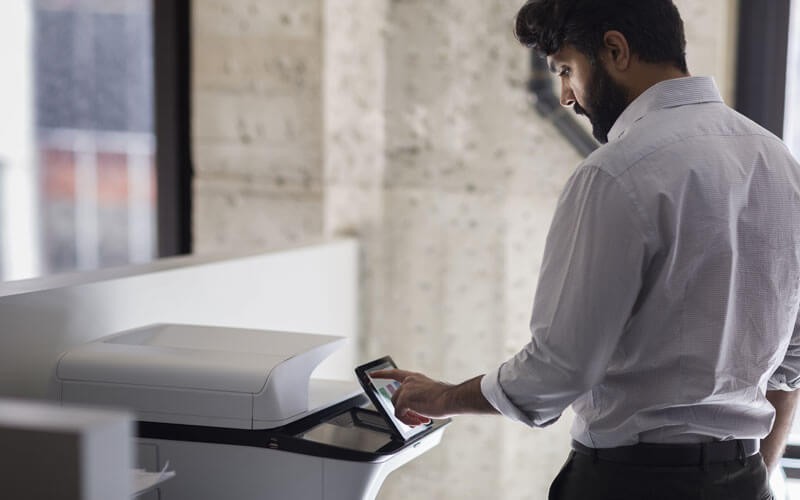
(564, 72)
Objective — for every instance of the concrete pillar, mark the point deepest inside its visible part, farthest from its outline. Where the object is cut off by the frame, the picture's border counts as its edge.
(257, 123)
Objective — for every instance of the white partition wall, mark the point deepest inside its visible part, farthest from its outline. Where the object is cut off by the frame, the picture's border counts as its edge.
(310, 289)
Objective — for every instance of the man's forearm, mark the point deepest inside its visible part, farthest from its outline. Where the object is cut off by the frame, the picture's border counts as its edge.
(420, 396)
(772, 446)
(467, 397)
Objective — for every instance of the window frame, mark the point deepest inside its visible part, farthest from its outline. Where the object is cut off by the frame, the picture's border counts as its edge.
(172, 114)
(761, 62)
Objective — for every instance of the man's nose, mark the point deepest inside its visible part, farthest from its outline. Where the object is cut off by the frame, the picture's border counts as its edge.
(567, 97)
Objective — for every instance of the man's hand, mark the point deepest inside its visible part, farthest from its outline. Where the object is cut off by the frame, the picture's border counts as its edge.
(773, 446)
(420, 398)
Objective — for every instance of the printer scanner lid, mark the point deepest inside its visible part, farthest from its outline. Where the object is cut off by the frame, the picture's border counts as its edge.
(257, 376)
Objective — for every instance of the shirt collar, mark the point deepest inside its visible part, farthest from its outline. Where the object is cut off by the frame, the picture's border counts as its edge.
(666, 94)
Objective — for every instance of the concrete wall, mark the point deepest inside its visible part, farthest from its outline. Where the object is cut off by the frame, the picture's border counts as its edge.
(711, 35)
(405, 123)
(257, 123)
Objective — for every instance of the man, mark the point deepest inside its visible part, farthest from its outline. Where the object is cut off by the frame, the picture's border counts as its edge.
(666, 312)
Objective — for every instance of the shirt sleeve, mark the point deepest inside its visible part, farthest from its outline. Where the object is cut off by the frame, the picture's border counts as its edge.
(590, 278)
(787, 376)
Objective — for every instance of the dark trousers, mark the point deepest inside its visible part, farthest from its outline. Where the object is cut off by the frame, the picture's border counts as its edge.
(586, 478)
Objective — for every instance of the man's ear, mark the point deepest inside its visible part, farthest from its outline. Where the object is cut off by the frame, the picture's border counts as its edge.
(617, 50)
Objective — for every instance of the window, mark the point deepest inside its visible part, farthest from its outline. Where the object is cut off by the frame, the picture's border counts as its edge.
(761, 62)
(78, 133)
(78, 165)
(791, 116)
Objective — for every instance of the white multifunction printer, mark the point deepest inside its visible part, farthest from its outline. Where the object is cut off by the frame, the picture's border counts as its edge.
(236, 414)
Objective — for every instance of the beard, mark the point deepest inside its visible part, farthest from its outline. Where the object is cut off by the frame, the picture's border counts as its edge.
(605, 101)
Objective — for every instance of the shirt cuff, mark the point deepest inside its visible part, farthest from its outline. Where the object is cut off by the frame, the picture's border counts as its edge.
(494, 393)
(779, 382)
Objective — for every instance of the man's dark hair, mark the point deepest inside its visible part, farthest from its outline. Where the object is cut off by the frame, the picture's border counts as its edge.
(653, 28)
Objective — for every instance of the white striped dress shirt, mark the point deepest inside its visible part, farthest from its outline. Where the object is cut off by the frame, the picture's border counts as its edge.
(668, 297)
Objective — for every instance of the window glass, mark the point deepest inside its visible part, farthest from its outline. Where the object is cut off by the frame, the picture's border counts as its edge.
(77, 162)
(791, 115)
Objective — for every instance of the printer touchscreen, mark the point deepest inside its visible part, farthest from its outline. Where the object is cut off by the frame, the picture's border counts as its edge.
(380, 391)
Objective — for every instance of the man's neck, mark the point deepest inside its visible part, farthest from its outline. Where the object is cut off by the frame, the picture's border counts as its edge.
(647, 75)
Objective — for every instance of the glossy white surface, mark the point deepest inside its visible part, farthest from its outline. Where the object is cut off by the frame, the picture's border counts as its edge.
(195, 357)
(194, 374)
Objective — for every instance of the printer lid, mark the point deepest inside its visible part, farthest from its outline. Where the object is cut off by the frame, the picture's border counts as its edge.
(273, 368)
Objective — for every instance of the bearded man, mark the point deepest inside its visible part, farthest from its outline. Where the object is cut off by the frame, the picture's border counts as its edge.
(666, 311)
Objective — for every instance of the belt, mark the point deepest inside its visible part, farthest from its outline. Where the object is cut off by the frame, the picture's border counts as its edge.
(656, 454)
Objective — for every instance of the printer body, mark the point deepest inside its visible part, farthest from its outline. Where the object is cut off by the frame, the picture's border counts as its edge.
(237, 415)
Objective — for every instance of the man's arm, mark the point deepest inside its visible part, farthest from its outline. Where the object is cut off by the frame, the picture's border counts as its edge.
(420, 397)
(773, 446)
(590, 278)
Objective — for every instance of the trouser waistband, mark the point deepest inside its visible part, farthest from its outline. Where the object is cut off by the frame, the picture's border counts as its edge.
(657, 454)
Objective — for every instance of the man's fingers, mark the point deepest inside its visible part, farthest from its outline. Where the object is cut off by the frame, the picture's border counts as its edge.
(422, 419)
(394, 374)
(413, 392)
(409, 417)
(413, 419)
(413, 422)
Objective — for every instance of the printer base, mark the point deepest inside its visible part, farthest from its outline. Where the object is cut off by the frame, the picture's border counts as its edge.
(213, 471)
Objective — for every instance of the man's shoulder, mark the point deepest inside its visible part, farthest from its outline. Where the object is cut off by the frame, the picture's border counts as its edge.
(609, 158)
(676, 131)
